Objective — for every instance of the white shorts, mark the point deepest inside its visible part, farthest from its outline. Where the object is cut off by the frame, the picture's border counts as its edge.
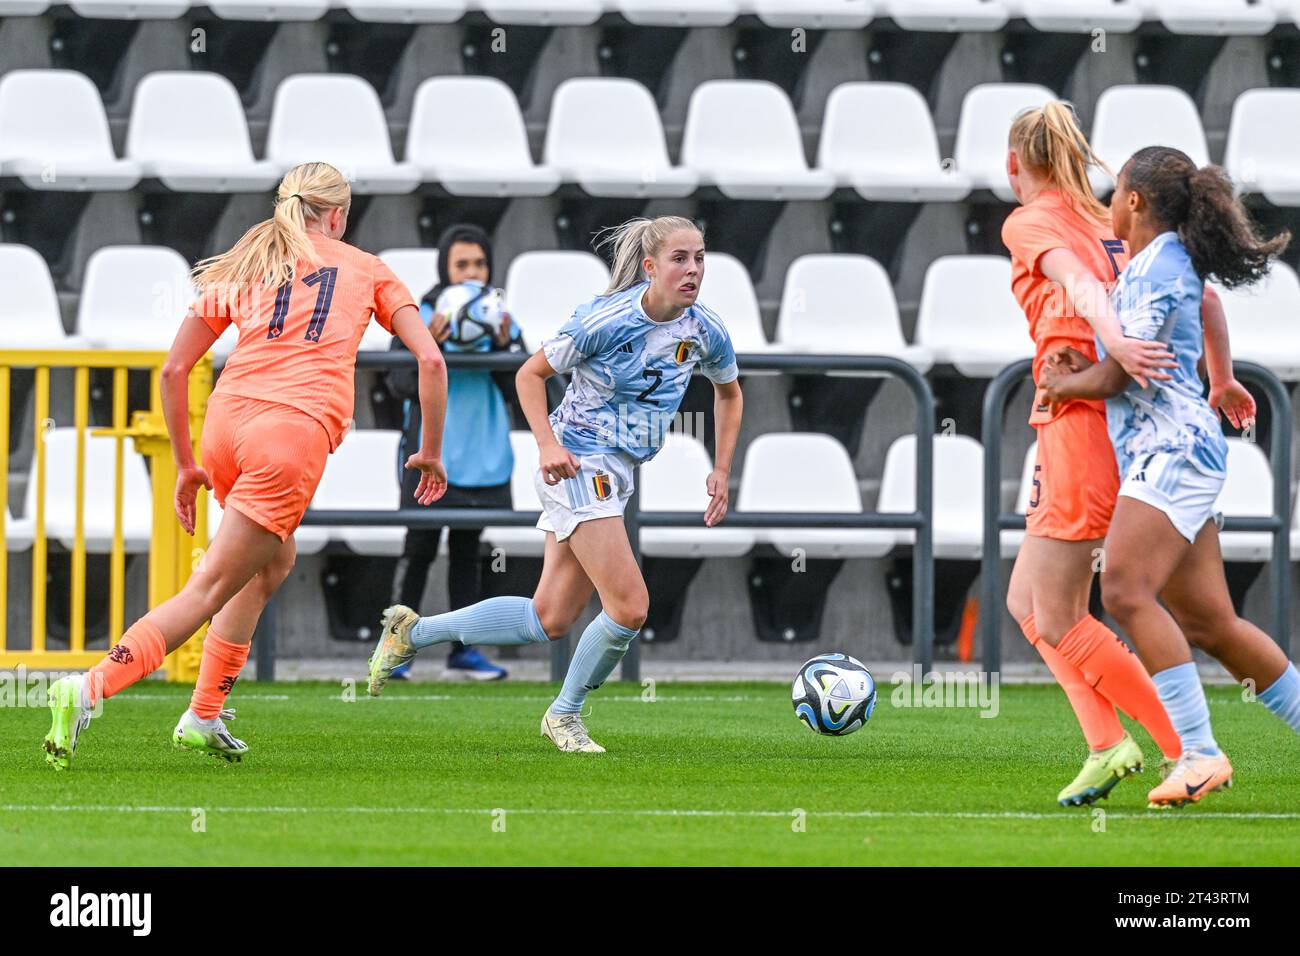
(1175, 486)
(601, 490)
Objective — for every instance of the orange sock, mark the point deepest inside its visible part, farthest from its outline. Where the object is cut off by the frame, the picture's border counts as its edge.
(1096, 715)
(218, 671)
(138, 654)
(1115, 672)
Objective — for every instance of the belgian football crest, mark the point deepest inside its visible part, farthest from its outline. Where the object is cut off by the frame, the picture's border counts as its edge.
(684, 350)
(604, 487)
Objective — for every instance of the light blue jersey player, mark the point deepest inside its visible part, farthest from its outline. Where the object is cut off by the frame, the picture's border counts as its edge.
(1168, 443)
(1163, 580)
(630, 353)
(629, 374)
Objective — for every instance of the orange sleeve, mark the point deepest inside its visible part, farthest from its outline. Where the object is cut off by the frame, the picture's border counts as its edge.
(391, 294)
(1027, 234)
(214, 312)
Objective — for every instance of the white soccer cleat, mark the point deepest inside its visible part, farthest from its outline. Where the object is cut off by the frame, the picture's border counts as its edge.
(567, 732)
(209, 736)
(394, 648)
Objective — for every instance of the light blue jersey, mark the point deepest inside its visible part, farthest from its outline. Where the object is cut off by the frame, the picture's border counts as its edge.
(630, 372)
(1158, 297)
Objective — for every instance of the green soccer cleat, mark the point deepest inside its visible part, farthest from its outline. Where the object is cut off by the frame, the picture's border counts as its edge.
(1101, 771)
(209, 736)
(394, 648)
(70, 718)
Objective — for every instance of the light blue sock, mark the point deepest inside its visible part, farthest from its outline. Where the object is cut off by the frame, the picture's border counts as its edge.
(1283, 697)
(498, 620)
(602, 646)
(1184, 699)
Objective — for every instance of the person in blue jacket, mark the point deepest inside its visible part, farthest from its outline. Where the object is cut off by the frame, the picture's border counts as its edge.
(476, 447)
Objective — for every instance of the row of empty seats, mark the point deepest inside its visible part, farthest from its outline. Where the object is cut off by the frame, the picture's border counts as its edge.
(362, 474)
(1216, 17)
(134, 297)
(188, 131)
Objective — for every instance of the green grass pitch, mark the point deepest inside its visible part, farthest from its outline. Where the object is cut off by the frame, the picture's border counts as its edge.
(706, 774)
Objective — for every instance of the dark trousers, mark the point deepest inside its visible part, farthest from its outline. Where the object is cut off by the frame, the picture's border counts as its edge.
(464, 581)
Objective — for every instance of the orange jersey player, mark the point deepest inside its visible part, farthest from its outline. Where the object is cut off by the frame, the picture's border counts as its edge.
(302, 300)
(1063, 255)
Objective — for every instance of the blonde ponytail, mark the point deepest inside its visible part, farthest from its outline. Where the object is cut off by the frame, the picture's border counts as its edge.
(1049, 142)
(267, 253)
(635, 241)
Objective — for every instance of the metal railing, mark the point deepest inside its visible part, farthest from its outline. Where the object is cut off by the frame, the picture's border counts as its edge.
(171, 552)
(920, 519)
(992, 593)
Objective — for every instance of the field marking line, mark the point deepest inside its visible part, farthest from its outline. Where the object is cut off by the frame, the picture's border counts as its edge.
(495, 698)
(645, 812)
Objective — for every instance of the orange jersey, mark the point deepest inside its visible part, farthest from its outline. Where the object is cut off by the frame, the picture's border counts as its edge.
(298, 343)
(1053, 221)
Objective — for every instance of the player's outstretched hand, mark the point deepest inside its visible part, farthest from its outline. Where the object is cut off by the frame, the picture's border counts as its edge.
(433, 478)
(719, 495)
(1231, 399)
(188, 482)
(557, 463)
(1143, 359)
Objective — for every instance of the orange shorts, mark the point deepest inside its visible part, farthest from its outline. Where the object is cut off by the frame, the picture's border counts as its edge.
(265, 459)
(1075, 479)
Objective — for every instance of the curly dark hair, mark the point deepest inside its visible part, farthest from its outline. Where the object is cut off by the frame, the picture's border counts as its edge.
(1199, 204)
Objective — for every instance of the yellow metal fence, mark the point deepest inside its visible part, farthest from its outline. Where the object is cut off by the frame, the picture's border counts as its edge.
(172, 553)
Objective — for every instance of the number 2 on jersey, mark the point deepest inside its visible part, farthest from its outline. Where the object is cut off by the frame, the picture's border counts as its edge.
(324, 280)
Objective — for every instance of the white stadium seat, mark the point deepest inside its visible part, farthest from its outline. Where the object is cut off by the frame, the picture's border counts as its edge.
(968, 316)
(1213, 17)
(521, 541)
(811, 14)
(18, 533)
(361, 474)
(406, 11)
(742, 136)
(1078, 16)
(1263, 142)
(728, 292)
(23, 8)
(809, 473)
(188, 130)
(417, 268)
(1128, 118)
(958, 493)
(674, 480)
(950, 16)
(1264, 321)
(544, 13)
(678, 13)
(1247, 493)
(605, 135)
(133, 297)
(844, 305)
(29, 308)
(100, 486)
(54, 134)
(544, 288)
(351, 133)
(1295, 530)
(488, 155)
(269, 10)
(879, 139)
(984, 127)
(130, 9)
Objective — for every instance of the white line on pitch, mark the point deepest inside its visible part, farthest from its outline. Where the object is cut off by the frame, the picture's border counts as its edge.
(634, 812)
